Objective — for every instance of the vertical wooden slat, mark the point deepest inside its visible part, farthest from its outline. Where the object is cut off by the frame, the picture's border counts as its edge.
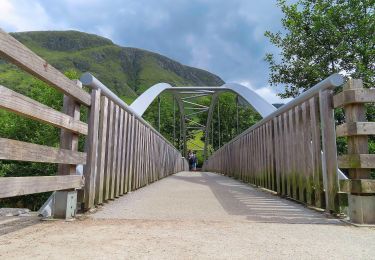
(119, 152)
(103, 123)
(301, 149)
(292, 154)
(277, 138)
(114, 152)
(68, 139)
(329, 149)
(316, 152)
(90, 168)
(308, 165)
(123, 153)
(130, 154)
(108, 166)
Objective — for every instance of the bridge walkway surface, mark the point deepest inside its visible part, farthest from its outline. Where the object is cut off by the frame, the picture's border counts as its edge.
(193, 215)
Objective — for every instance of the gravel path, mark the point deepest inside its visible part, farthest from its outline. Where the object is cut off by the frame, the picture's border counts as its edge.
(194, 216)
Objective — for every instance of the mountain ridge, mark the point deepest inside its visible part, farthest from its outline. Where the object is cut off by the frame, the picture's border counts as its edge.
(128, 71)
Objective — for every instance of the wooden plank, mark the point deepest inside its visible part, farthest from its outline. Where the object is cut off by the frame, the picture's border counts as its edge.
(357, 144)
(103, 123)
(17, 53)
(109, 148)
(119, 152)
(68, 139)
(17, 186)
(358, 186)
(308, 156)
(300, 173)
(131, 153)
(123, 152)
(90, 169)
(30, 108)
(272, 148)
(356, 128)
(22, 151)
(290, 154)
(114, 152)
(282, 147)
(353, 161)
(329, 149)
(276, 138)
(352, 96)
(316, 152)
(128, 152)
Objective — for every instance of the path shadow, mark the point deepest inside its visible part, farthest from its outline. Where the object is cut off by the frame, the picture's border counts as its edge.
(15, 223)
(240, 199)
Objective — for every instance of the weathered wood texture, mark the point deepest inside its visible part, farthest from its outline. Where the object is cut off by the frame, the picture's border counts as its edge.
(90, 168)
(16, 186)
(68, 139)
(352, 98)
(130, 154)
(122, 153)
(22, 151)
(28, 107)
(20, 55)
(67, 156)
(284, 154)
(329, 150)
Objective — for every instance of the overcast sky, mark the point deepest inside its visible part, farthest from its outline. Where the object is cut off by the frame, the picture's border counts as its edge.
(225, 37)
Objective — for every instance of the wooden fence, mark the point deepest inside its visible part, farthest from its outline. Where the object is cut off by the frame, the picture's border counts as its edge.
(122, 151)
(292, 151)
(358, 162)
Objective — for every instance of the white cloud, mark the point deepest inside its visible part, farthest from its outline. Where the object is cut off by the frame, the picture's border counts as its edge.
(268, 93)
(223, 37)
(23, 15)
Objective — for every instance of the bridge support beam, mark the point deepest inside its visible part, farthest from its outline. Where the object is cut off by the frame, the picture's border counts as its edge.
(208, 124)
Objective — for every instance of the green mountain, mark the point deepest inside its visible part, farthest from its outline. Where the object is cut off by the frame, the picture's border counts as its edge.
(127, 71)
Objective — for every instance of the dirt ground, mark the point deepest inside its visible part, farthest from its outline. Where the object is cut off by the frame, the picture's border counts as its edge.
(191, 216)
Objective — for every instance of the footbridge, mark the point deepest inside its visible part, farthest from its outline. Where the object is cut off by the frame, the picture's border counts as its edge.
(291, 152)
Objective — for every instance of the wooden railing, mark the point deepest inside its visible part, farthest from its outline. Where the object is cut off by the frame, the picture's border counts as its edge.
(122, 151)
(130, 152)
(292, 151)
(67, 154)
(358, 162)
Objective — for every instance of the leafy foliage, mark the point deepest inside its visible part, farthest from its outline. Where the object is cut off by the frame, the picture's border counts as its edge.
(323, 37)
(20, 128)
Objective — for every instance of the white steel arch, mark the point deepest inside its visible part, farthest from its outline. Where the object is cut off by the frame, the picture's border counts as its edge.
(262, 106)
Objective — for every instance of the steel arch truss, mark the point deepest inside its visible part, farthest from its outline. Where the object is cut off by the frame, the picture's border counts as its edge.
(140, 105)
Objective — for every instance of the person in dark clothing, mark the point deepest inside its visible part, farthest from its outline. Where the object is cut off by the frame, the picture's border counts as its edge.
(190, 160)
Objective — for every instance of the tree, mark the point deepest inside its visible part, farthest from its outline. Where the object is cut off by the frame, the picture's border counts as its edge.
(323, 37)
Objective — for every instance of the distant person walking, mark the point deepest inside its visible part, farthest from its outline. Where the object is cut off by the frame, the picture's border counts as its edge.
(195, 161)
(190, 160)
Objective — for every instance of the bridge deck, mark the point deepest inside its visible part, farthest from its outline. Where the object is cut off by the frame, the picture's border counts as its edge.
(189, 216)
(209, 196)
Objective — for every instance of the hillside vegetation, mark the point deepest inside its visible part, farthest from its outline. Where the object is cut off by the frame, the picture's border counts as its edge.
(126, 71)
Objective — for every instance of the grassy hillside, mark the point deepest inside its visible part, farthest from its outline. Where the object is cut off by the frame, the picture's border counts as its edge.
(127, 71)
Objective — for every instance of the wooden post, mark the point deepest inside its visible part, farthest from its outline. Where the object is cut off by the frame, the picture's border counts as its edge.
(99, 186)
(329, 149)
(360, 186)
(91, 148)
(69, 141)
(357, 144)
